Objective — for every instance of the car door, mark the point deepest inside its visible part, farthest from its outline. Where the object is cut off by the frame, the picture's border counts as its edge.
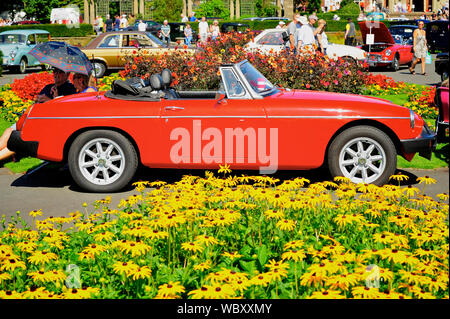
(108, 49)
(203, 133)
(31, 43)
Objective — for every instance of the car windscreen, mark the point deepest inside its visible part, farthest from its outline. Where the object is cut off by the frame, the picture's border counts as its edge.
(12, 38)
(258, 82)
(154, 39)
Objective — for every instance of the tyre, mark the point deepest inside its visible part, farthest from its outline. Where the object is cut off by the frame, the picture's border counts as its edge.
(395, 66)
(22, 66)
(364, 154)
(102, 161)
(444, 75)
(99, 69)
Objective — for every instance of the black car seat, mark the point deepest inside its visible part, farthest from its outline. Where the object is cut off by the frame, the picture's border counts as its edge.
(171, 93)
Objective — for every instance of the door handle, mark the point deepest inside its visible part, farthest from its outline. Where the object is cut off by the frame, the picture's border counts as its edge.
(173, 108)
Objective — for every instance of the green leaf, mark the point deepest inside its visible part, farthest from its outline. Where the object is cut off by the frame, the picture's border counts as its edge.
(263, 255)
(248, 266)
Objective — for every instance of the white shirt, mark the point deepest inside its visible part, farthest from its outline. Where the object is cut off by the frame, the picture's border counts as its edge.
(203, 27)
(306, 35)
(142, 26)
(324, 40)
(124, 22)
(185, 19)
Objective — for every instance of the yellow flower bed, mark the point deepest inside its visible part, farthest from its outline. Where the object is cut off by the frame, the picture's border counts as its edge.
(12, 105)
(236, 237)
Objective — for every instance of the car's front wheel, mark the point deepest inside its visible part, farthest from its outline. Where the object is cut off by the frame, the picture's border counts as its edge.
(364, 154)
(102, 161)
(395, 66)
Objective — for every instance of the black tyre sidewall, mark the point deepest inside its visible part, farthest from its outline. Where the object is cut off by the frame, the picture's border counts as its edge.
(131, 161)
(22, 71)
(102, 68)
(363, 131)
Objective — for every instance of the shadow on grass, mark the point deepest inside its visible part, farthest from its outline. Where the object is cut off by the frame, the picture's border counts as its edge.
(443, 153)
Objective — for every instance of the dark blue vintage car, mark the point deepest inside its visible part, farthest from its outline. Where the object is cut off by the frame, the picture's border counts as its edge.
(403, 34)
(437, 35)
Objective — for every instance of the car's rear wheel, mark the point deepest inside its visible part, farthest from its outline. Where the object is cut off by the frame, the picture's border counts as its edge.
(364, 154)
(444, 75)
(99, 69)
(102, 161)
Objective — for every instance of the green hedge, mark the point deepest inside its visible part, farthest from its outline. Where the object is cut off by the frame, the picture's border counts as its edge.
(1, 59)
(56, 30)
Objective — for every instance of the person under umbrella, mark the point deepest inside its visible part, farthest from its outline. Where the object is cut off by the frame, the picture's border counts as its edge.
(61, 87)
(84, 83)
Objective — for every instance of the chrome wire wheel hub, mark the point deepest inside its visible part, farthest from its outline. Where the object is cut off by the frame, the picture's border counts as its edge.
(362, 160)
(101, 161)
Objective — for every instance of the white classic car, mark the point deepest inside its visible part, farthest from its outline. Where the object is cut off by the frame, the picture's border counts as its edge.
(272, 40)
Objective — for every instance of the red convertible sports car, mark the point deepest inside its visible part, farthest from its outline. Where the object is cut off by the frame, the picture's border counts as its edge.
(384, 50)
(248, 123)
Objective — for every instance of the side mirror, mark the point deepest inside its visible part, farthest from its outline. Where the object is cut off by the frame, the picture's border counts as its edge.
(220, 97)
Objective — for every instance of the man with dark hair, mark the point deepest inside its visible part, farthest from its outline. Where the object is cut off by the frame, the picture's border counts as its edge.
(109, 23)
(61, 87)
(350, 32)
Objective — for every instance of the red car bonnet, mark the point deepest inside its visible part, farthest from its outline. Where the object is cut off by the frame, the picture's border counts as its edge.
(379, 29)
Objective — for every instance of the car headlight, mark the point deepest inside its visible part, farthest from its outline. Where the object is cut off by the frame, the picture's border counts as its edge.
(412, 118)
(12, 54)
(388, 52)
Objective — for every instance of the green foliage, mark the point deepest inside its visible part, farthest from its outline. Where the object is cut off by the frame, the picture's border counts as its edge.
(351, 8)
(166, 9)
(40, 9)
(212, 8)
(265, 8)
(313, 6)
(56, 30)
(1, 59)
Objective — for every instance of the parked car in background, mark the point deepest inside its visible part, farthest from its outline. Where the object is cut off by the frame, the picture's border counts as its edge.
(384, 52)
(152, 26)
(238, 27)
(15, 45)
(25, 22)
(109, 50)
(437, 35)
(441, 65)
(103, 142)
(408, 22)
(403, 34)
(177, 32)
(273, 40)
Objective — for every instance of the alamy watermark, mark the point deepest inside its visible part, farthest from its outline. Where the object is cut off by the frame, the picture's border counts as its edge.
(226, 146)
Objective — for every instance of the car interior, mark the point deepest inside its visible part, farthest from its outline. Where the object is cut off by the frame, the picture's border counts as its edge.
(155, 88)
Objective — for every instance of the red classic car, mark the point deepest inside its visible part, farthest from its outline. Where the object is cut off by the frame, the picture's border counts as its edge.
(383, 50)
(248, 123)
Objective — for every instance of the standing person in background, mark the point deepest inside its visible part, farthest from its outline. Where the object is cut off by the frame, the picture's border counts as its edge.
(292, 30)
(142, 26)
(116, 23)
(165, 32)
(192, 17)
(419, 47)
(281, 25)
(96, 28)
(322, 38)
(188, 35)
(184, 18)
(131, 19)
(215, 30)
(203, 29)
(109, 23)
(101, 25)
(306, 36)
(350, 32)
(124, 22)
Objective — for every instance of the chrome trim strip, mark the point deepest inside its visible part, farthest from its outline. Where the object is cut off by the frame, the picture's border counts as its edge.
(335, 117)
(91, 117)
(221, 116)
